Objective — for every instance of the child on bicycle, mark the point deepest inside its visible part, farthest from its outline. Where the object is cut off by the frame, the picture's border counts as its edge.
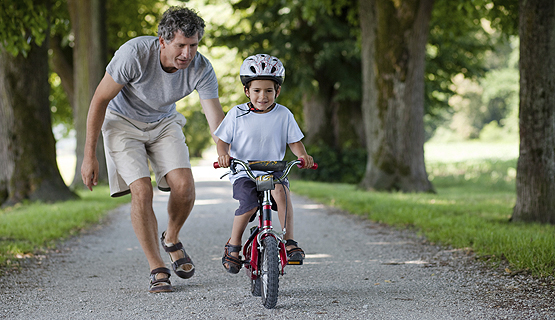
(259, 130)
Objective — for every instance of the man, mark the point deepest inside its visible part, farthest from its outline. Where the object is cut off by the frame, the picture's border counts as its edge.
(134, 106)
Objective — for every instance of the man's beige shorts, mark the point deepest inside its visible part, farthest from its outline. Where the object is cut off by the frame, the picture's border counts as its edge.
(129, 144)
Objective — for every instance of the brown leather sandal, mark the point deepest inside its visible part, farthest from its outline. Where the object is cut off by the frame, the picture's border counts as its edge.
(233, 264)
(162, 284)
(184, 267)
(295, 255)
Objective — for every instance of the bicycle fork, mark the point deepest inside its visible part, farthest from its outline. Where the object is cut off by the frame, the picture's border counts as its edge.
(264, 229)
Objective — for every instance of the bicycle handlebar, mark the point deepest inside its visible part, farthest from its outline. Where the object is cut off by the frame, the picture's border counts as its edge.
(269, 165)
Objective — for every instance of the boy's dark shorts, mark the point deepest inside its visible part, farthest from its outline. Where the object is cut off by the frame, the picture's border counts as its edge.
(244, 190)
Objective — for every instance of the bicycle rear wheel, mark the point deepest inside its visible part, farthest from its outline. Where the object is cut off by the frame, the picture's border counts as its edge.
(269, 267)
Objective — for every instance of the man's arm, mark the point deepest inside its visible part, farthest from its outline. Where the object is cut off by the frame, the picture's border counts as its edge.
(107, 89)
(214, 114)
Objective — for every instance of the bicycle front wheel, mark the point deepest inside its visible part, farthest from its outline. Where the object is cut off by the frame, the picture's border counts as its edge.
(269, 277)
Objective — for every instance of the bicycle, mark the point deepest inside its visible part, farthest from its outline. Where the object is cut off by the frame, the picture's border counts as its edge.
(264, 252)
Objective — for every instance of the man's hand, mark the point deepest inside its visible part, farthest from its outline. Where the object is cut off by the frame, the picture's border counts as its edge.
(107, 89)
(89, 172)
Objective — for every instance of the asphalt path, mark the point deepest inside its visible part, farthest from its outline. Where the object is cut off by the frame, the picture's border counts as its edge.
(355, 269)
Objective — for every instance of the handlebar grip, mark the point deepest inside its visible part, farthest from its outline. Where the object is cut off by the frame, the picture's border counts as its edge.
(217, 165)
(300, 165)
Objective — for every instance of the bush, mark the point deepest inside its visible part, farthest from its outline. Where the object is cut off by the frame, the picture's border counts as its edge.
(197, 132)
(344, 166)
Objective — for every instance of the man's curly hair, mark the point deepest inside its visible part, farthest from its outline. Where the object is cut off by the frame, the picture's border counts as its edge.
(180, 19)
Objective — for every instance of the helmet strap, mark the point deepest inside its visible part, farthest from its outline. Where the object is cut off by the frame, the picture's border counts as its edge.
(253, 109)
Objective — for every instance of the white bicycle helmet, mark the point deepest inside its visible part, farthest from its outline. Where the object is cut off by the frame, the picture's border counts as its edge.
(262, 67)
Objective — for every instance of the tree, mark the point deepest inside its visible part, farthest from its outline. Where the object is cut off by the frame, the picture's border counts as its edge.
(395, 45)
(535, 181)
(89, 61)
(27, 145)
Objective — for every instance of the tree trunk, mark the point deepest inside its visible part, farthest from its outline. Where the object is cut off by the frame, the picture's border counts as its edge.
(317, 116)
(63, 66)
(394, 36)
(27, 146)
(535, 180)
(331, 123)
(89, 62)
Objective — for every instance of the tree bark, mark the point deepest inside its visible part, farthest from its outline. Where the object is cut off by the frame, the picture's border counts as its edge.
(27, 146)
(331, 123)
(535, 180)
(394, 36)
(89, 62)
(63, 66)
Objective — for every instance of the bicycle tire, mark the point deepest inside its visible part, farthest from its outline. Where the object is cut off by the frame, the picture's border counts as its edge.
(269, 267)
(255, 283)
(256, 287)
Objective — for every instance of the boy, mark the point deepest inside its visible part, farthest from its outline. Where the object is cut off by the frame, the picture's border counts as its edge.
(259, 130)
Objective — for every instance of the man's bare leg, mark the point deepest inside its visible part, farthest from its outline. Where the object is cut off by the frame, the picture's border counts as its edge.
(144, 221)
(180, 204)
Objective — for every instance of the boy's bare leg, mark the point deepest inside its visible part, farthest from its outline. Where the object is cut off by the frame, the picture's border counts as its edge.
(280, 195)
(239, 225)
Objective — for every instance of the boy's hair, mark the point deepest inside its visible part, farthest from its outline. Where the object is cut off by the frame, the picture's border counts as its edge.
(180, 19)
(248, 84)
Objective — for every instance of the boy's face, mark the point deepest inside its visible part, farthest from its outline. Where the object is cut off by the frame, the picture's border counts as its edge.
(262, 93)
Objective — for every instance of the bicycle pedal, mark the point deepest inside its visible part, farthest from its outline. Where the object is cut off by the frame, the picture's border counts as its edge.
(295, 263)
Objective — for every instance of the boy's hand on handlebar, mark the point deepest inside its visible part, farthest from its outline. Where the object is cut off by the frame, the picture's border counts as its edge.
(224, 161)
(308, 161)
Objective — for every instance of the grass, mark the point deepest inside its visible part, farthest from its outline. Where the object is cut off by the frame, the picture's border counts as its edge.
(471, 209)
(28, 229)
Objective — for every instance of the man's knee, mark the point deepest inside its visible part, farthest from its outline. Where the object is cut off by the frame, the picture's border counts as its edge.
(141, 191)
(181, 183)
(183, 190)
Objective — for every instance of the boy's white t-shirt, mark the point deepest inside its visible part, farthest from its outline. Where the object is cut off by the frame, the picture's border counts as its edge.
(258, 136)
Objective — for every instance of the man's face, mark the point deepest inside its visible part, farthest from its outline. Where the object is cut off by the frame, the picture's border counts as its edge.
(178, 53)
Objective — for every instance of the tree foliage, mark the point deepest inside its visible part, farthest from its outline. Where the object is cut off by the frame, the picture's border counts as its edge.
(125, 19)
(314, 41)
(319, 47)
(22, 23)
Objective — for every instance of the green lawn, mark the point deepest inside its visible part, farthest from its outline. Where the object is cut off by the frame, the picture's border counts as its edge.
(32, 228)
(471, 209)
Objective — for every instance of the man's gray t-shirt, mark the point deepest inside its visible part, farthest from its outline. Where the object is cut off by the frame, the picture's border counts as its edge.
(149, 93)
